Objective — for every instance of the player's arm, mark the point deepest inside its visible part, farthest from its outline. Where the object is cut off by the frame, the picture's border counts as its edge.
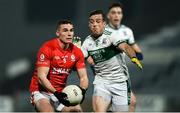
(42, 73)
(130, 52)
(81, 70)
(43, 64)
(134, 45)
(85, 52)
(84, 82)
(82, 74)
(127, 49)
(90, 60)
(138, 51)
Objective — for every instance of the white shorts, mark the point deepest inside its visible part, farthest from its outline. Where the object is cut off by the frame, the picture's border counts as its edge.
(117, 94)
(35, 96)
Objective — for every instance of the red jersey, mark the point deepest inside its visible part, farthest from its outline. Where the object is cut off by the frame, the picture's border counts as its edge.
(60, 63)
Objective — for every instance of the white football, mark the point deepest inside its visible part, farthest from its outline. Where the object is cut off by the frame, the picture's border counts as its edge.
(74, 94)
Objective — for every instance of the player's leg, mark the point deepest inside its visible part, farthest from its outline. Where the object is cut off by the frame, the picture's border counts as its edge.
(76, 108)
(101, 98)
(41, 102)
(43, 105)
(132, 105)
(100, 104)
(120, 97)
(132, 98)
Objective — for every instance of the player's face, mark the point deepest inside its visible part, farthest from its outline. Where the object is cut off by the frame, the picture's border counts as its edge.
(96, 24)
(65, 32)
(115, 16)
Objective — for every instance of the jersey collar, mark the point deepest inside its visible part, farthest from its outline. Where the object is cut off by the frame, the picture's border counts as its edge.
(111, 26)
(60, 44)
(95, 38)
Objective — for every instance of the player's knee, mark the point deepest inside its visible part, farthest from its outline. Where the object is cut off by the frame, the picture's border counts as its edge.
(44, 108)
(75, 110)
(72, 109)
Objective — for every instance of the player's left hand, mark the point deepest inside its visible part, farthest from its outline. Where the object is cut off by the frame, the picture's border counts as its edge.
(83, 93)
(90, 60)
(62, 97)
(139, 55)
(137, 62)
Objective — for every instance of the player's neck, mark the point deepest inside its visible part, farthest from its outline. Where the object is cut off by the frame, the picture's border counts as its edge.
(114, 26)
(95, 36)
(63, 45)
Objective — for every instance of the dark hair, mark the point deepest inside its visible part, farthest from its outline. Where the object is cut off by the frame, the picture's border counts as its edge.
(63, 22)
(96, 12)
(115, 5)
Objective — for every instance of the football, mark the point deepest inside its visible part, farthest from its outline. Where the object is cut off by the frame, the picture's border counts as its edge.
(74, 94)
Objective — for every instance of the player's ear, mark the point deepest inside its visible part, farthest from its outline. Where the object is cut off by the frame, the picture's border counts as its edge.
(89, 25)
(108, 16)
(57, 32)
(104, 23)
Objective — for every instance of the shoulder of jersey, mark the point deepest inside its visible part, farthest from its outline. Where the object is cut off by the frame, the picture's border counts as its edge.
(107, 32)
(88, 38)
(49, 43)
(125, 27)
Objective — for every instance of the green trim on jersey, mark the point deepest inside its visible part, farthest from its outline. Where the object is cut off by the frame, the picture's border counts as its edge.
(103, 54)
(128, 91)
(106, 32)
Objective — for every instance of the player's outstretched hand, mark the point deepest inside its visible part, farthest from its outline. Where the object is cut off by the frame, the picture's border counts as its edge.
(77, 41)
(137, 62)
(62, 97)
(83, 93)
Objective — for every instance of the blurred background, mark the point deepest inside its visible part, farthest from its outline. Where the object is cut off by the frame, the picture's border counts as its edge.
(26, 24)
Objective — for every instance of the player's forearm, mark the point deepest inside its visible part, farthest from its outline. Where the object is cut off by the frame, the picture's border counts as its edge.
(128, 50)
(131, 53)
(136, 48)
(46, 84)
(84, 82)
(42, 73)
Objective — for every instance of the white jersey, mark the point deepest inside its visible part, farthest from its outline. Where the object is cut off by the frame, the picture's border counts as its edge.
(125, 31)
(109, 66)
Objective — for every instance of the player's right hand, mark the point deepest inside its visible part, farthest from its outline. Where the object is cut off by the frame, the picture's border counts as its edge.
(62, 97)
(137, 62)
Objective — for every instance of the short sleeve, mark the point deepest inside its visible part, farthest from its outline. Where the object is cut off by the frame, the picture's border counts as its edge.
(130, 35)
(117, 38)
(80, 61)
(43, 57)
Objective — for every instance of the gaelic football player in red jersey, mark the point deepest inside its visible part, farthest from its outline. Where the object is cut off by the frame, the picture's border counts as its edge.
(55, 59)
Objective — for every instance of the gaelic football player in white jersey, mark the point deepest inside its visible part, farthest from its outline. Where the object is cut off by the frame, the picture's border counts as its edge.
(115, 15)
(111, 74)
